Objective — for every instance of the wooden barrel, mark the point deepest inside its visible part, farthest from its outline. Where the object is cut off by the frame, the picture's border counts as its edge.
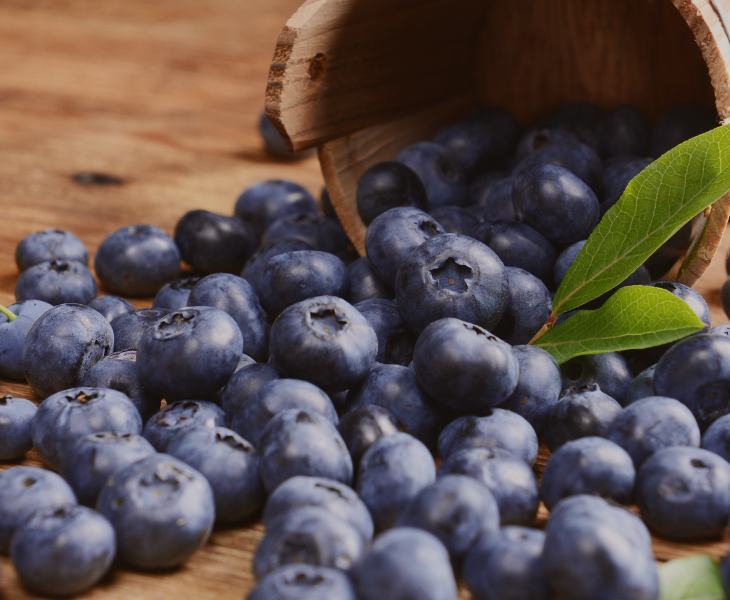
(361, 79)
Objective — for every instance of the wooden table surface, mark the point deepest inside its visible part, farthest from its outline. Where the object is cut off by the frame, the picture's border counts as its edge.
(166, 96)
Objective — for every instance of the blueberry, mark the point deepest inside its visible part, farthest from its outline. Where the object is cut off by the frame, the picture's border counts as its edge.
(405, 563)
(537, 138)
(174, 294)
(274, 142)
(364, 284)
(589, 465)
(619, 172)
(506, 564)
(129, 327)
(580, 412)
(497, 429)
(111, 306)
(393, 235)
(320, 232)
(455, 219)
(642, 386)
(386, 185)
(439, 171)
(310, 535)
(651, 424)
(556, 203)
(137, 260)
(179, 416)
(230, 465)
(538, 386)
(457, 510)
(16, 415)
(519, 245)
(56, 282)
(24, 490)
(463, 366)
(529, 305)
(451, 275)
(391, 473)
(189, 353)
(302, 442)
(290, 277)
(162, 511)
(65, 416)
(64, 550)
(565, 260)
(88, 463)
(609, 371)
(236, 297)
(364, 425)
(213, 243)
(323, 340)
(333, 496)
(510, 480)
(599, 551)
(305, 582)
(14, 333)
(276, 396)
(50, 244)
(624, 130)
(684, 493)
(395, 387)
(119, 372)
(243, 383)
(395, 342)
(696, 371)
(679, 124)
(491, 196)
(716, 439)
(265, 201)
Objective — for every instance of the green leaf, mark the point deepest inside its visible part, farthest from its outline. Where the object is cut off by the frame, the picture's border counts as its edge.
(636, 316)
(656, 203)
(691, 578)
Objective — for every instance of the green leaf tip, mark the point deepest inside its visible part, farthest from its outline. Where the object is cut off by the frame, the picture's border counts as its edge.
(690, 578)
(656, 204)
(635, 316)
(8, 313)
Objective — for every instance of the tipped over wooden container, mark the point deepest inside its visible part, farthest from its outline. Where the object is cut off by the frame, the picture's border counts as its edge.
(361, 79)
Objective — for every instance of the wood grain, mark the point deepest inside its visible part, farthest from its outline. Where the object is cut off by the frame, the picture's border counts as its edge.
(166, 96)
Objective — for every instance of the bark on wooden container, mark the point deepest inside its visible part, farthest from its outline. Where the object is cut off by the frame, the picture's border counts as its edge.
(361, 79)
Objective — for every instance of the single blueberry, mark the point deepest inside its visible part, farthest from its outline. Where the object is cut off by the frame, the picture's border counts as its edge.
(129, 327)
(243, 383)
(323, 340)
(624, 130)
(464, 366)
(537, 138)
(364, 284)
(642, 386)
(302, 442)
(684, 493)
(50, 244)
(14, 333)
(491, 196)
(88, 464)
(651, 424)
(679, 124)
(268, 250)
(230, 465)
(580, 412)
(162, 511)
(364, 425)
(24, 490)
(189, 353)
(529, 305)
(405, 563)
(137, 260)
(497, 429)
(608, 370)
(455, 219)
(565, 260)
(174, 294)
(56, 282)
(305, 582)
(455, 276)
(509, 478)
(619, 172)
(111, 306)
(538, 386)
(16, 416)
(337, 498)
(507, 564)
(457, 510)
(386, 185)
(179, 416)
(320, 232)
(395, 341)
(716, 439)
(64, 550)
(65, 416)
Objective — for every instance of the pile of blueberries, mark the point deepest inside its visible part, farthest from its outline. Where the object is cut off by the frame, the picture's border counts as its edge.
(303, 380)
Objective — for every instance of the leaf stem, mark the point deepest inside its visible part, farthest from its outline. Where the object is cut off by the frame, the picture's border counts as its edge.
(544, 329)
(9, 314)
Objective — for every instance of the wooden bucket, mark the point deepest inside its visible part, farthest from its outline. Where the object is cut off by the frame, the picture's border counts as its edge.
(361, 79)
